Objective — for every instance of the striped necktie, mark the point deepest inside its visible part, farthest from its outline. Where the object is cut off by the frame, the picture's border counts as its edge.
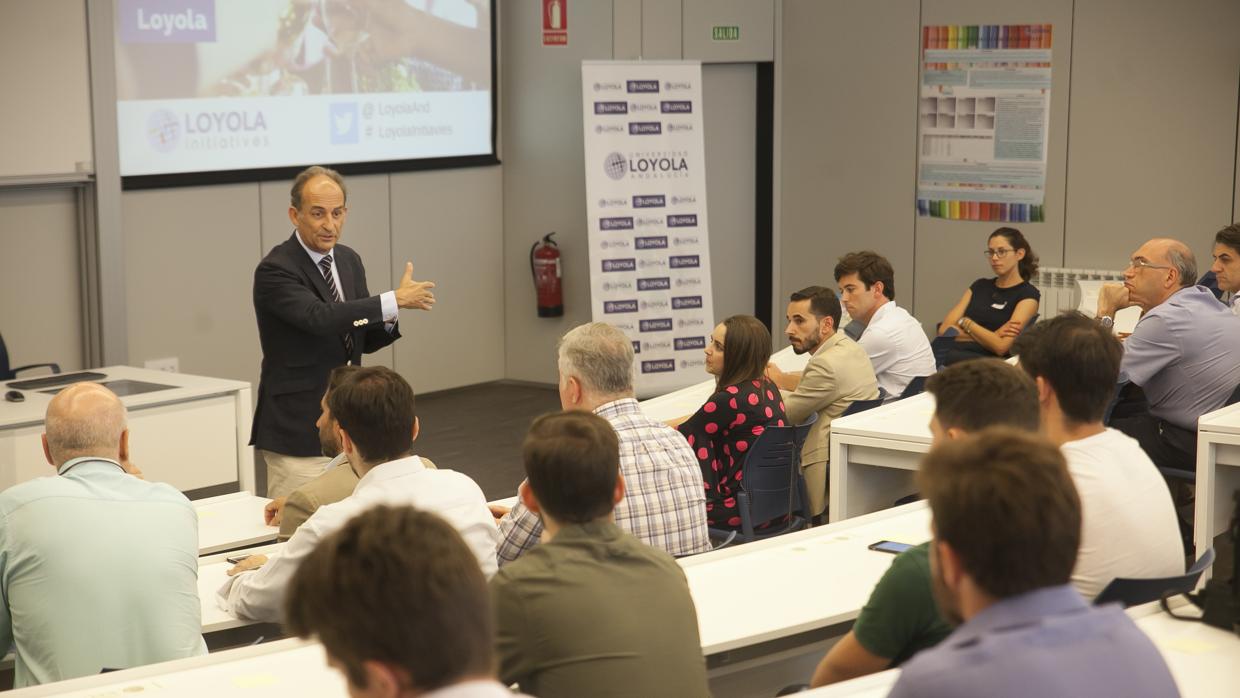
(325, 265)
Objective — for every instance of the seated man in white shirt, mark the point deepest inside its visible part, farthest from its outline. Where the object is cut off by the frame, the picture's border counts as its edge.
(374, 413)
(1129, 526)
(893, 339)
(1226, 266)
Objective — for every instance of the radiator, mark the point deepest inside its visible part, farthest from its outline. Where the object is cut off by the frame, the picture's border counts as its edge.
(1077, 289)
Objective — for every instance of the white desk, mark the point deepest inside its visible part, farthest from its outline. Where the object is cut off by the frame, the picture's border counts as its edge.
(687, 400)
(1218, 474)
(232, 521)
(193, 435)
(813, 579)
(875, 453)
(283, 668)
(1202, 659)
(212, 573)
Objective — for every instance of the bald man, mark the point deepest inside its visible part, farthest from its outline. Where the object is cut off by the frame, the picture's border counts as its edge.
(1184, 352)
(98, 568)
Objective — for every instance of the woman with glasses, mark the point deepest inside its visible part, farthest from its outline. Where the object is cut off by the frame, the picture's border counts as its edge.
(993, 311)
(744, 404)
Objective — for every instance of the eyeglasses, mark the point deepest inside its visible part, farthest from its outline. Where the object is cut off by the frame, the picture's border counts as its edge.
(999, 253)
(1139, 263)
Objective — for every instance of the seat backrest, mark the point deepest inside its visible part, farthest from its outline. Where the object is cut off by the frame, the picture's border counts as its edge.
(917, 386)
(1134, 592)
(861, 406)
(1235, 396)
(6, 373)
(771, 473)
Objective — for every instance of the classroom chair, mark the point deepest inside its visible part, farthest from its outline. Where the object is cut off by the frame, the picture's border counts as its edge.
(1134, 592)
(8, 373)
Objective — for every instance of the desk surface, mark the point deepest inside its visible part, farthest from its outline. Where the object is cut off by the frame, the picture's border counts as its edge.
(185, 387)
(1225, 420)
(816, 578)
(902, 420)
(212, 573)
(232, 521)
(687, 400)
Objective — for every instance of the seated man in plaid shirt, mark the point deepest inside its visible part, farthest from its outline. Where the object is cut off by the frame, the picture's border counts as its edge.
(664, 504)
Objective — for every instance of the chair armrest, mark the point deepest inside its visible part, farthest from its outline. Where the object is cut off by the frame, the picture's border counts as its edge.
(55, 367)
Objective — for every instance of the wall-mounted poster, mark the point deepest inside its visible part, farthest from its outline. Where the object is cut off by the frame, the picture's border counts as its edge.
(983, 116)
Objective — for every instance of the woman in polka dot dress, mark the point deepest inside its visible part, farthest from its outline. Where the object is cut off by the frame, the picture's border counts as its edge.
(743, 405)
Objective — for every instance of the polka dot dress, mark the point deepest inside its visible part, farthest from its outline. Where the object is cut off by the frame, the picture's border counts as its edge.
(721, 433)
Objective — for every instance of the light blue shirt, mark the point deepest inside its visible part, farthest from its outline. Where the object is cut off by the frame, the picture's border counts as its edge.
(1047, 642)
(1185, 355)
(98, 569)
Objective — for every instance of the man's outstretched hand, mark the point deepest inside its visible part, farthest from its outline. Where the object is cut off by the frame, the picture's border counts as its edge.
(412, 294)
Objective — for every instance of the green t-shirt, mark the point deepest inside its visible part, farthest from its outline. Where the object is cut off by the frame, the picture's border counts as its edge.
(900, 619)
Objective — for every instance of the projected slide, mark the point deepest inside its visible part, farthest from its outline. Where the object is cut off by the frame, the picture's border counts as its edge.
(210, 85)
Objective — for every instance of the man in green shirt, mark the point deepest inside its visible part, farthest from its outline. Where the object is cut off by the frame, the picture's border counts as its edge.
(591, 610)
(900, 618)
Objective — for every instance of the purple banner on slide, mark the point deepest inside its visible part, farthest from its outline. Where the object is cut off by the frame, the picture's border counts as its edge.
(166, 21)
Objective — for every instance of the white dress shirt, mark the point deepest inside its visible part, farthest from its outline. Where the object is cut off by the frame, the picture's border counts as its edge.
(897, 347)
(387, 299)
(259, 594)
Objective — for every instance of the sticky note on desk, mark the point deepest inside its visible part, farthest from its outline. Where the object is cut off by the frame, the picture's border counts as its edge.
(1189, 645)
(255, 681)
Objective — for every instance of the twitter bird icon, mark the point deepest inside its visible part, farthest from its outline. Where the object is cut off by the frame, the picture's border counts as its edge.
(343, 123)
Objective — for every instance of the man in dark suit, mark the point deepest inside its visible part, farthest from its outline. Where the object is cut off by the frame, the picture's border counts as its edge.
(314, 313)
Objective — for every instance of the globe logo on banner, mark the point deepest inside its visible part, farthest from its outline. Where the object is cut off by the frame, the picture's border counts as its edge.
(615, 166)
(163, 130)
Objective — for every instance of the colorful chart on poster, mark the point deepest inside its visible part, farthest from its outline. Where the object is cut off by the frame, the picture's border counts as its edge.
(983, 118)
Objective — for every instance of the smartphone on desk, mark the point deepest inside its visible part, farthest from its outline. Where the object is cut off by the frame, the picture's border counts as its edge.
(235, 559)
(890, 546)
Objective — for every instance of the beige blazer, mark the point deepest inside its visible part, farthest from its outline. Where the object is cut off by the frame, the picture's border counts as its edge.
(839, 374)
(328, 488)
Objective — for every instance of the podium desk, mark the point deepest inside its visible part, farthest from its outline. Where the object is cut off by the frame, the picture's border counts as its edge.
(875, 453)
(192, 433)
(1218, 474)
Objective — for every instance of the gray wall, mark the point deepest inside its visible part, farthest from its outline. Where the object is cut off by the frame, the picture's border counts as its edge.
(1143, 136)
(191, 254)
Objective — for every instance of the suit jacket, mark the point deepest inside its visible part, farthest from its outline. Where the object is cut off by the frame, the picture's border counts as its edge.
(839, 374)
(302, 329)
(336, 483)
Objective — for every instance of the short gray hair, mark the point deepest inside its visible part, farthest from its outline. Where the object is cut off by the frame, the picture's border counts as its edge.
(599, 356)
(1182, 260)
(87, 426)
(310, 173)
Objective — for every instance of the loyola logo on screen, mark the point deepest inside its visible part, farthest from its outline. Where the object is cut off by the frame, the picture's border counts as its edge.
(344, 124)
(166, 21)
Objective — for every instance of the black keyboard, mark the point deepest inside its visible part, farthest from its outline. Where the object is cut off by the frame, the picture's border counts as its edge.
(56, 380)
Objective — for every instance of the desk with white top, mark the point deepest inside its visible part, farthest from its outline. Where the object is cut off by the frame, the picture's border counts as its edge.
(232, 521)
(685, 401)
(875, 453)
(1218, 474)
(1202, 659)
(195, 433)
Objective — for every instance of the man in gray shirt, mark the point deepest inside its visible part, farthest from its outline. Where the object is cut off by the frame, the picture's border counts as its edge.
(1184, 352)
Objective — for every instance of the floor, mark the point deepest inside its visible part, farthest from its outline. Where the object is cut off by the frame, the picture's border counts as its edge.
(478, 431)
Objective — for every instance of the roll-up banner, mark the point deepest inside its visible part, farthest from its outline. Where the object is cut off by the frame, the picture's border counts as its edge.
(646, 206)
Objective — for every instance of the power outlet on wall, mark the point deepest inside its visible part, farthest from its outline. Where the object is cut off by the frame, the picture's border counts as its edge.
(168, 364)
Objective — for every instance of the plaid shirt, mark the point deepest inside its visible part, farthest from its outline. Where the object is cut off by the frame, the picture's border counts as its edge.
(664, 503)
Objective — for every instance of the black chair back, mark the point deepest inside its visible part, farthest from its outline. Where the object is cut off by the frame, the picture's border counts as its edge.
(861, 406)
(6, 373)
(1134, 592)
(917, 386)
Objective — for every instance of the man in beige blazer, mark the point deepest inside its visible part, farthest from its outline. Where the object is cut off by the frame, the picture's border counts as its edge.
(838, 374)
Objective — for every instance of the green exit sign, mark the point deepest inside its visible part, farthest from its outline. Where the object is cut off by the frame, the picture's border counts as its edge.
(725, 33)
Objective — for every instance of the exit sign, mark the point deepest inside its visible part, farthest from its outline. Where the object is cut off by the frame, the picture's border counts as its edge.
(725, 33)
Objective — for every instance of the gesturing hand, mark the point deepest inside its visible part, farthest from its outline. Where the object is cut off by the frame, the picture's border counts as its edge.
(412, 294)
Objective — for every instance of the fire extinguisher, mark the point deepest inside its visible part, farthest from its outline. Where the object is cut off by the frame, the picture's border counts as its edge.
(545, 267)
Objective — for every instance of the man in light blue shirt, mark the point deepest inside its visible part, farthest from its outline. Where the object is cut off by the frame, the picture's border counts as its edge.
(98, 568)
(1184, 352)
(1007, 522)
